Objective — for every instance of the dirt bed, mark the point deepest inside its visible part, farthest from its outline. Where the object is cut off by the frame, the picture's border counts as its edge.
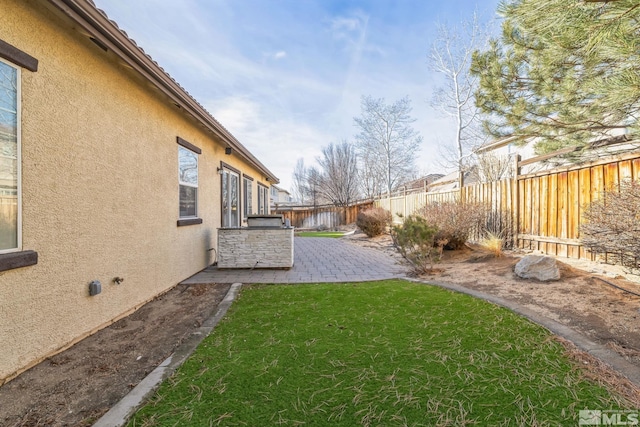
(77, 386)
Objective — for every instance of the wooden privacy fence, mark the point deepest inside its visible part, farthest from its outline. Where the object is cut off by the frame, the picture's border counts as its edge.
(545, 207)
(405, 204)
(328, 216)
(550, 205)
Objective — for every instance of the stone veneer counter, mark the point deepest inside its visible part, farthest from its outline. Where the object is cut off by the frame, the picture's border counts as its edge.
(255, 247)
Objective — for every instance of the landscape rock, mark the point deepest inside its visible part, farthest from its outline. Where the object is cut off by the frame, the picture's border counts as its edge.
(540, 267)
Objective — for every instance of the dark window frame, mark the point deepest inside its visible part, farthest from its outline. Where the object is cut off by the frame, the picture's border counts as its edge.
(17, 56)
(19, 258)
(228, 168)
(185, 221)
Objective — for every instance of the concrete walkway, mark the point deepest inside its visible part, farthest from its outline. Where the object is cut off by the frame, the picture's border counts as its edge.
(316, 260)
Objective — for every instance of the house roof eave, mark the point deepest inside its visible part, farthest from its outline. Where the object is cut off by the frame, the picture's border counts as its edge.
(106, 32)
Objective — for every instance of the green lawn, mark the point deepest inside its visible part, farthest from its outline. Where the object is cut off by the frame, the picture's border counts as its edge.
(390, 353)
(332, 234)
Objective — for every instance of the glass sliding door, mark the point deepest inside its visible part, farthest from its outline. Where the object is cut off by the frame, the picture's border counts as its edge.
(230, 198)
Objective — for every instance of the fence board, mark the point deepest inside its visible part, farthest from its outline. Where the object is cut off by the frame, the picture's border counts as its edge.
(535, 206)
(625, 170)
(520, 201)
(527, 207)
(544, 206)
(597, 182)
(636, 168)
(562, 205)
(612, 179)
(584, 182)
(573, 204)
(553, 208)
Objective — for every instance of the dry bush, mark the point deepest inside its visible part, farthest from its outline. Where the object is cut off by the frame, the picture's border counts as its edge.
(455, 221)
(494, 243)
(499, 224)
(374, 221)
(612, 225)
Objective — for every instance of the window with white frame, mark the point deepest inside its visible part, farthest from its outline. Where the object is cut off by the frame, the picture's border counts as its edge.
(10, 230)
(263, 200)
(188, 180)
(230, 198)
(247, 195)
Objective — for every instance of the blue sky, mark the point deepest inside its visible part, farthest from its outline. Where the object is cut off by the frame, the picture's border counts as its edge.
(286, 76)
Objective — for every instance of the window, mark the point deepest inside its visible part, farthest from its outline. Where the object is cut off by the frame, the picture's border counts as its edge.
(263, 199)
(247, 194)
(10, 233)
(188, 178)
(230, 198)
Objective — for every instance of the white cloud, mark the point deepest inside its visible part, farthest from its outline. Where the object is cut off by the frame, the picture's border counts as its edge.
(279, 55)
(341, 25)
(277, 140)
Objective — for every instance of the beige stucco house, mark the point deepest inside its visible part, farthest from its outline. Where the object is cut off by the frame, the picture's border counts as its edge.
(109, 172)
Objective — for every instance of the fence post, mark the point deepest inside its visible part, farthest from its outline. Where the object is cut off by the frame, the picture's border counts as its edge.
(516, 200)
(404, 209)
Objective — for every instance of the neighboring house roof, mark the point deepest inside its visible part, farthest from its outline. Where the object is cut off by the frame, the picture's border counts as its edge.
(450, 181)
(95, 24)
(281, 190)
(498, 143)
(421, 182)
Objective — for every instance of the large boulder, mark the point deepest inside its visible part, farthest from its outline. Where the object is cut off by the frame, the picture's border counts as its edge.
(540, 267)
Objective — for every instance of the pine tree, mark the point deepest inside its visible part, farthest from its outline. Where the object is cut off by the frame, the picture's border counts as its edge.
(566, 71)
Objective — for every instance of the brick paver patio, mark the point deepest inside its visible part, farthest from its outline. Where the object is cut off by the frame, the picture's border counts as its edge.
(316, 260)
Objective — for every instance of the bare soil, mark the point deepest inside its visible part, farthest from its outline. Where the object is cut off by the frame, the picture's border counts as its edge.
(77, 386)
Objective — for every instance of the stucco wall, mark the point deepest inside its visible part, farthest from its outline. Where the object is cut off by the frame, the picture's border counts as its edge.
(99, 190)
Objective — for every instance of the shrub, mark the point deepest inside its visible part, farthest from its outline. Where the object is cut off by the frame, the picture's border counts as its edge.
(498, 224)
(415, 239)
(493, 243)
(374, 221)
(612, 225)
(454, 220)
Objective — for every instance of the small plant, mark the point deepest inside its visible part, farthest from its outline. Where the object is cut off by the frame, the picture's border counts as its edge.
(416, 240)
(498, 223)
(493, 243)
(374, 221)
(455, 221)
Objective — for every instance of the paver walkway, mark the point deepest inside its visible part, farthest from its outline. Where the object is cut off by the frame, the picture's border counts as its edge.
(316, 260)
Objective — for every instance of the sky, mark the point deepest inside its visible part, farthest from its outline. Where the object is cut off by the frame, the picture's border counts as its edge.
(286, 77)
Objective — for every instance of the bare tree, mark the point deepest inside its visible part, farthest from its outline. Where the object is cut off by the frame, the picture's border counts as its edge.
(451, 56)
(314, 186)
(339, 169)
(300, 189)
(493, 167)
(387, 142)
(370, 174)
